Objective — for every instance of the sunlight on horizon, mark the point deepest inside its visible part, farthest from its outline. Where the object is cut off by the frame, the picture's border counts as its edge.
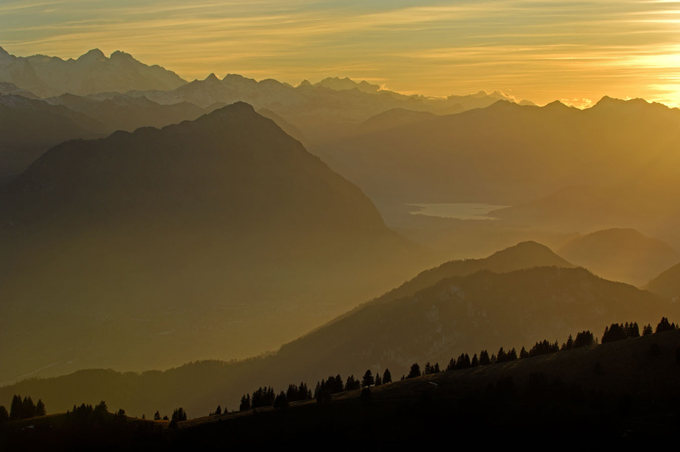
(576, 53)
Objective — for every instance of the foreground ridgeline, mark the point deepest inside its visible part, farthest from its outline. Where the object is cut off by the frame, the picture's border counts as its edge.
(624, 388)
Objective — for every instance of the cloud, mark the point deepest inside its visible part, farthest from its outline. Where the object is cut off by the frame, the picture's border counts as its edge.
(542, 49)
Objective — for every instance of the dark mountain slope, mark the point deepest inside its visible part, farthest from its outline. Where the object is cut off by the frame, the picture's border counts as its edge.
(466, 314)
(520, 256)
(460, 314)
(28, 127)
(619, 393)
(129, 113)
(153, 248)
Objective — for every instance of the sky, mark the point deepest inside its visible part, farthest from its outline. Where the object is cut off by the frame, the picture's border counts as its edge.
(570, 50)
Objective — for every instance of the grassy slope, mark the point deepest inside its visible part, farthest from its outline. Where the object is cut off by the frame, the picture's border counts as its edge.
(634, 395)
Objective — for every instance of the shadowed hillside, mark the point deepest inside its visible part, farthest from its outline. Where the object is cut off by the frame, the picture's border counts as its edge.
(621, 392)
(460, 314)
(153, 248)
(28, 127)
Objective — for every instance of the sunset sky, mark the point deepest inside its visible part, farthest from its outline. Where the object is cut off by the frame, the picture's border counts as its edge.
(576, 51)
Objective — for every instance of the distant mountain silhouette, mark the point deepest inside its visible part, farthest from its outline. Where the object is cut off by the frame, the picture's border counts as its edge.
(521, 256)
(11, 89)
(183, 238)
(91, 73)
(621, 255)
(667, 283)
(390, 119)
(587, 165)
(28, 127)
(287, 127)
(341, 84)
(129, 113)
(324, 112)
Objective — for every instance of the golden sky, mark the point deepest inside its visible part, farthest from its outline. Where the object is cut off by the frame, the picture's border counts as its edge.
(575, 51)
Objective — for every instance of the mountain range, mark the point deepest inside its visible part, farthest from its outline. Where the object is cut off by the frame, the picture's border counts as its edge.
(91, 73)
(122, 248)
(620, 255)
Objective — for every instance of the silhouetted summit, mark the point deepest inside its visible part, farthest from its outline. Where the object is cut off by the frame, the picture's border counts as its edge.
(621, 255)
(210, 229)
(523, 255)
(232, 166)
(90, 73)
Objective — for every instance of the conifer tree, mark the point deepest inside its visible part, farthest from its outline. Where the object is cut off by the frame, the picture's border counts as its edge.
(218, 410)
(378, 380)
(387, 377)
(157, 416)
(484, 358)
(647, 330)
(245, 403)
(368, 379)
(337, 385)
(523, 353)
(415, 371)
(352, 383)
(101, 407)
(502, 356)
(664, 325)
(584, 339)
(40, 408)
(16, 408)
(4, 415)
(475, 361)
(28, 408)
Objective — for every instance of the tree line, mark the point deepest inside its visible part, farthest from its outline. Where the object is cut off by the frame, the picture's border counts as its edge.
(324, 390)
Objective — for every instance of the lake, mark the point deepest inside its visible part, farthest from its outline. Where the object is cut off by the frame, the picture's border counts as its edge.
(457, 210)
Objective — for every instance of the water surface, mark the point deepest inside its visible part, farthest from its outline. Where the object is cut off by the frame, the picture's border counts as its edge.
(457, 210)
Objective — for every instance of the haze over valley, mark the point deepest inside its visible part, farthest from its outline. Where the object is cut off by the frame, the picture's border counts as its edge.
(171, 242)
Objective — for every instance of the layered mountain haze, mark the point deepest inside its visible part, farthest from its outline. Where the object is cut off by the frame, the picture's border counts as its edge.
(621, 255)
(325, 112)
(524, 255)
(31, 126)
(418, 322)
(559, 168)
(667, 283)
(129, 113)
(470, 313)
(174, 240)
(28, 127)
(91, 73)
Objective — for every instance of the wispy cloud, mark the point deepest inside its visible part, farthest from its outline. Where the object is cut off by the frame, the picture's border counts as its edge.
(540, 49)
